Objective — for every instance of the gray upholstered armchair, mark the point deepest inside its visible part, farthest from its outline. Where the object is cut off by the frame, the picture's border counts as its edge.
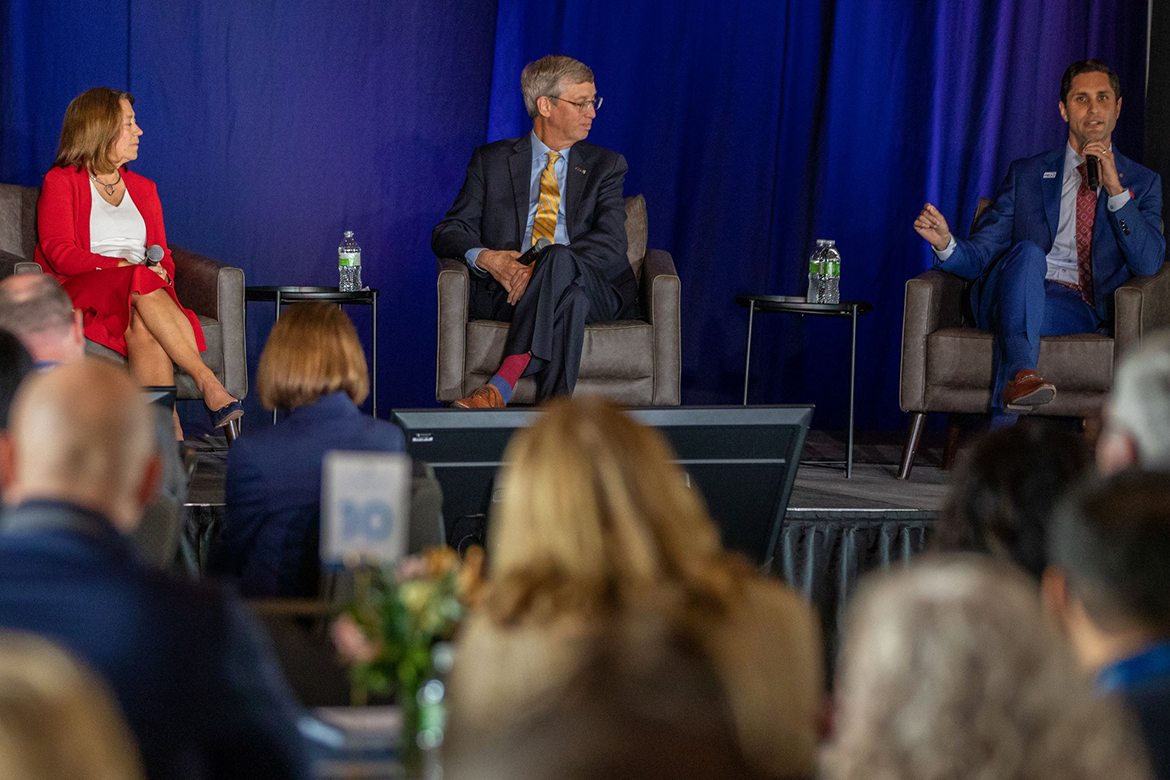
(946, 363)
(214, 291)
(634, 362)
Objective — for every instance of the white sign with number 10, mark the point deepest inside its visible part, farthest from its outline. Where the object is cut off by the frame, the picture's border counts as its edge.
(365, 505)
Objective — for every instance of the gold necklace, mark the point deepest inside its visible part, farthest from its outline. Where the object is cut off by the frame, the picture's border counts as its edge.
(109, 188)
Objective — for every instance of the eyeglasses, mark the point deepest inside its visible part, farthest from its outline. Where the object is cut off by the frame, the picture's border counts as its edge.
(595, 102)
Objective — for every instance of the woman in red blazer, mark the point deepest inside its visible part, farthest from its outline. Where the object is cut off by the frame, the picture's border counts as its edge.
(100, 232)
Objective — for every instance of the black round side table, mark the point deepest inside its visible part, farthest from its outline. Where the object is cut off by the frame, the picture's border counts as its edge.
(792, 304)
(281, 295)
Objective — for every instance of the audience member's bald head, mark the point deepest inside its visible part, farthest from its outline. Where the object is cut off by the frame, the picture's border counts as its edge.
(82, 433)
(39, 311)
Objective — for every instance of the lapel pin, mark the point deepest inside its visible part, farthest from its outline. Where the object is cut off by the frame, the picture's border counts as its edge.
(1049, 174)
(579, 169)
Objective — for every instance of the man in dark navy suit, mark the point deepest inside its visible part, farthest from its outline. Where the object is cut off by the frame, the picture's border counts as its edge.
(548, 185)
(1048, 254)
(194, 678)
(1107, 585)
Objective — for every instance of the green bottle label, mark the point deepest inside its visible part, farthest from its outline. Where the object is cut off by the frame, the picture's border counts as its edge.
(349, 258)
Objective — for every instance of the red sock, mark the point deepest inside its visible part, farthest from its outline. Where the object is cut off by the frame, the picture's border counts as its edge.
(513, 368)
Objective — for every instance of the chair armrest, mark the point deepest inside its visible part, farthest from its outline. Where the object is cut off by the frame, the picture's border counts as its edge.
(934, 300)
(213, 289)
(1141, 306)
(660, 302)
(25, 267)
(450, 354)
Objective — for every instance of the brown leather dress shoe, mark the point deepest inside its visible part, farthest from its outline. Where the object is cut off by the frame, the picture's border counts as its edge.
(1027, 391)
(486, 397)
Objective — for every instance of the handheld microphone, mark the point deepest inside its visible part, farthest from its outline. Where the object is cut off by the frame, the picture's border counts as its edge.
(1093, 175)
(530, 256)
(154, 253)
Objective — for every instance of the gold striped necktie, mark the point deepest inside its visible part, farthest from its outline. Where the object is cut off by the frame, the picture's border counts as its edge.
(545, 224)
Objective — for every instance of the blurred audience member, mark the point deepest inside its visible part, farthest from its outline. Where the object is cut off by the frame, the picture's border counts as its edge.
(15, 365)
(192, 674)
(951, 670)
(314, 366)
(644, 704)
(595, 520)
(1001, 496)
(1137, 416)
(39, 312)
(1109, 586)
(57, 720)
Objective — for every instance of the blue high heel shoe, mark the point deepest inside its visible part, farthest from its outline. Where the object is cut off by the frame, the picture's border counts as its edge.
(225, 414)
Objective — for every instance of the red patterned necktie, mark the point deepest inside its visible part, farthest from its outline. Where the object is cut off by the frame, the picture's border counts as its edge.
(1086, 213)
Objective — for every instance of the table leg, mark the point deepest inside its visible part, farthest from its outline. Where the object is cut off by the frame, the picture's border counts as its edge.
(852, 383)
(278, 320)
(747, 362)
(374, 358)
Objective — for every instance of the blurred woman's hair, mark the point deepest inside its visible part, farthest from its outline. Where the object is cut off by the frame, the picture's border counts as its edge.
(57, 719)
(594, 509)
(312, 351)
(951, 670)
(93, 121)
(1004, 490)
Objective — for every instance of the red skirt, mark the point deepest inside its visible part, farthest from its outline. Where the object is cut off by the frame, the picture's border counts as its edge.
(104, 296)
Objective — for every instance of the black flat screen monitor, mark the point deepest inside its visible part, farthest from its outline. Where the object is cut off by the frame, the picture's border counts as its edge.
(742, 458)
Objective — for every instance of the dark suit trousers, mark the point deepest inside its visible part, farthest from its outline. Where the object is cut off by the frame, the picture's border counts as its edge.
(549, 321)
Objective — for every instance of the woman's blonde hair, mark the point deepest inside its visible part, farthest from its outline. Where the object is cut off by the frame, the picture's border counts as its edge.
(57, 719)
(312, 351)
(594, 511)
(93, 121)
(952, 670)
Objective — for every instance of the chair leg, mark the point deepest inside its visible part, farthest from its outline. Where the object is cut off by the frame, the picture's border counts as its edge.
(951, 446)
(917, 420)
(231, 431)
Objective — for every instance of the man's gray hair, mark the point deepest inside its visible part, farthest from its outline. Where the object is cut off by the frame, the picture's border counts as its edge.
(548, 75)
(1139, 405)
(951, 670)
(34, 303)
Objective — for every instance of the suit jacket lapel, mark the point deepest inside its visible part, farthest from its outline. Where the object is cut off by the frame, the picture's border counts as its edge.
(578, 167)
(1050, 189)
(520, 164)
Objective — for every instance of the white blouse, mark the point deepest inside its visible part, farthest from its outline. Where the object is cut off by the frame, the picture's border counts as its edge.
(116, 231)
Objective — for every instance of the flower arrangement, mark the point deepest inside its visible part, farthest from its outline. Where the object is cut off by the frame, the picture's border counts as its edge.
(386, 636)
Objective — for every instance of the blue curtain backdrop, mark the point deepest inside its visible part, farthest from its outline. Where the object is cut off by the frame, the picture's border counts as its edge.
(752, 127)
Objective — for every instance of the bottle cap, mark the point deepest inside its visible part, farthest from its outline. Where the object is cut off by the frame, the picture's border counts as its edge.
(349, 234)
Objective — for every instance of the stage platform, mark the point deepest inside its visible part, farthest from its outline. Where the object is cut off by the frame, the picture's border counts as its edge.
(835, 530)
(820, 491)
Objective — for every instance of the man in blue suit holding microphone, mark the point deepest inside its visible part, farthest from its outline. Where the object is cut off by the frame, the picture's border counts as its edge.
(1067, 228)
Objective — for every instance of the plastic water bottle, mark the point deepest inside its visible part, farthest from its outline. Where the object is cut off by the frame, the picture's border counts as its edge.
(831, 268)
(349, 264)
(815, 277)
